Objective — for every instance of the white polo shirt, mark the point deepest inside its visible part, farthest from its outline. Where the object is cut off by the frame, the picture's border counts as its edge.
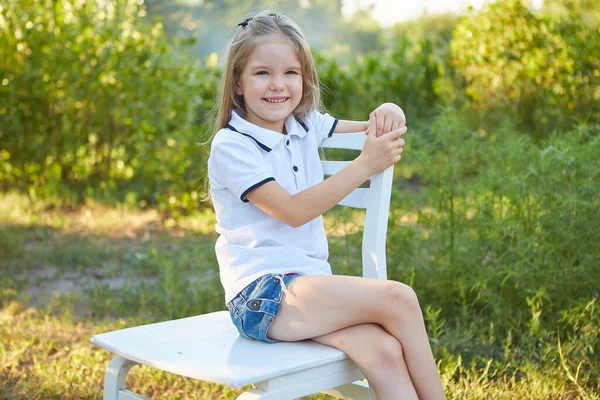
(251, 243)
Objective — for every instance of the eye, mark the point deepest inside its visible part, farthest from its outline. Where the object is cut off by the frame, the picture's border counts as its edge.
(261, 73)
(292, 72)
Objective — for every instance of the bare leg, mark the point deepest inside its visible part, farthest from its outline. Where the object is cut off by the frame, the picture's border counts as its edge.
(318, 305)
(378, 355)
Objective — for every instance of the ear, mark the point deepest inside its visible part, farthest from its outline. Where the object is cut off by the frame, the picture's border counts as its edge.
(237, 88)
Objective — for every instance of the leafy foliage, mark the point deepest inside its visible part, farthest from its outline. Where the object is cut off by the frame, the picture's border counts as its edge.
(96, 102)
(503, 237)
(543, 71)
(411, 74)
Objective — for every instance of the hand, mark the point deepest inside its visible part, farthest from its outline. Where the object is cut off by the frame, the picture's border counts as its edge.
(386, 118)
(378, 153)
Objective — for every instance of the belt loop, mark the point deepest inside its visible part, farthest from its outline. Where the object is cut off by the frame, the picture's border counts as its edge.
(282, 282)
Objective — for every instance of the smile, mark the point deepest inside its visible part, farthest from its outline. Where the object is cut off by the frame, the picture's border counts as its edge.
(276, 100)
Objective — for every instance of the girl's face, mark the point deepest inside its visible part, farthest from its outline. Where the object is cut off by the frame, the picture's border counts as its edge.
(271, 83)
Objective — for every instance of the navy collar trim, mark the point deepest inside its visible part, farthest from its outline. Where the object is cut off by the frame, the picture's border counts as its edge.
(302, 124)
(262, 146)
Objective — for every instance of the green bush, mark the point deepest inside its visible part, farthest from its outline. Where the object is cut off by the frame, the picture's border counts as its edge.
(96, 102)
(543, 70)
(502, 236)
(415, 75)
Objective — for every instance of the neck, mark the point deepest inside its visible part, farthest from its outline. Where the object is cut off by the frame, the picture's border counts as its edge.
(278, 126)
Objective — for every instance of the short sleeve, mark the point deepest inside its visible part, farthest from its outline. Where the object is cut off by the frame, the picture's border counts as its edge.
(323, 124)
(237, 165)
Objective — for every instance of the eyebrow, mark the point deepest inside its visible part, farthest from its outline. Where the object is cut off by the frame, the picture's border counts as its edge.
(255, 67)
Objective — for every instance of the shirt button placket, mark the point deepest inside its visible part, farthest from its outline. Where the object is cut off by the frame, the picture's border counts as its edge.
(298, 173)
(294, 165)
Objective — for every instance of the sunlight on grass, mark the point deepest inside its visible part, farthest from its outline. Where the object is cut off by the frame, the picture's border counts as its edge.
(68, 274)
(95, 218)
(47, 357)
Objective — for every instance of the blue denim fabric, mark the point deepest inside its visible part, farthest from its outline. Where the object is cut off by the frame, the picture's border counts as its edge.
(254, 308)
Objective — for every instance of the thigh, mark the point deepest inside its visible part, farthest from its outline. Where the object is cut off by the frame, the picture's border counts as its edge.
(319, 304)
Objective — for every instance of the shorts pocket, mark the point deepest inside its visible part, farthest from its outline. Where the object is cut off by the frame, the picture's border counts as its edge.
(252, 321)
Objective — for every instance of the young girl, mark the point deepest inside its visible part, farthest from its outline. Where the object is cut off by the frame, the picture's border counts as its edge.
(267, 187)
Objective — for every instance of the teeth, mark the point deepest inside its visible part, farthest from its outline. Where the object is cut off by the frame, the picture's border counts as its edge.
(275, 101)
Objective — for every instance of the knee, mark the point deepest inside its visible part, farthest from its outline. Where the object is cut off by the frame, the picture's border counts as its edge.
(387, 352)
(401, 300)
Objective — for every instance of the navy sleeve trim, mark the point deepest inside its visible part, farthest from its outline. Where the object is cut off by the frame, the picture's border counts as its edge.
(333, 127)
(262, 146)
(251, 188)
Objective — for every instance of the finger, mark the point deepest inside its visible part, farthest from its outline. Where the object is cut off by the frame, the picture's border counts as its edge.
(371, 122)
(372, 127)
(379, 121)
(388, 122)
(395, 134)
(398, 142)
(397, 152)
(396, 125)
(402, 119)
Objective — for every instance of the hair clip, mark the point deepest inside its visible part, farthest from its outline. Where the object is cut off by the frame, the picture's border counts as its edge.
(245, 22)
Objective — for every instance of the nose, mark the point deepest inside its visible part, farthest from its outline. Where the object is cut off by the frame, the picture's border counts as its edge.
(277, 84)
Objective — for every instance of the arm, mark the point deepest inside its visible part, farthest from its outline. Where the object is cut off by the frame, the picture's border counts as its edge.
(344, 126)
(296, 210)
(300, 208)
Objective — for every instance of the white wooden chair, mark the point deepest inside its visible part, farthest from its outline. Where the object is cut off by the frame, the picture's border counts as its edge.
(208, 347)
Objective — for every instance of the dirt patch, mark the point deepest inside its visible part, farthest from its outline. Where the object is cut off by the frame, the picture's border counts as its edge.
(48, 281)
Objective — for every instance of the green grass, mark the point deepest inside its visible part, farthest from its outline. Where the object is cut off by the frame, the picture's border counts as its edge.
(68, 274)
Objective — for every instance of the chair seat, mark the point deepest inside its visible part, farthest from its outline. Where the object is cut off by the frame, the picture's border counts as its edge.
(208, 347)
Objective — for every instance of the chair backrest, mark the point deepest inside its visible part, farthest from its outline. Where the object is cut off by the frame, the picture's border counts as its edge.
(375, 199)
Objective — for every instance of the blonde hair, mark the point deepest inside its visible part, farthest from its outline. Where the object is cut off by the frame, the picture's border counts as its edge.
(249, 33)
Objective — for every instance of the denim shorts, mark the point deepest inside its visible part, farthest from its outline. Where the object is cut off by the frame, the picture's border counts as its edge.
(254, 308)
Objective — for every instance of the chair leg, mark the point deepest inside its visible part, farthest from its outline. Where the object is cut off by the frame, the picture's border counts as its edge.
(358, 390)
(115, 378)
(253, 394)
